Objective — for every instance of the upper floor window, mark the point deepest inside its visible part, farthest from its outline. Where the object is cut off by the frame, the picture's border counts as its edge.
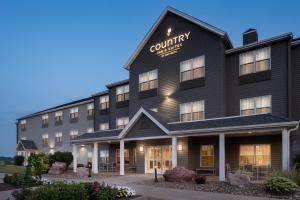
(45, 138)
(255, 105)
(104, 102)
(192, 69)
(45, 120)
(103, 126)
(58, 138)
(73, 134)
(58, 116)
(148, 80)
(90, 109)
(90, 130)
(255, 61)
(23, 124)
(122, 93)
(192, 111)
(74, 113)
(122, 122)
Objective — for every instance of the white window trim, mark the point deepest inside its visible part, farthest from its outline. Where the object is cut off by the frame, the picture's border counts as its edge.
(148, 80)
(123, 119)
(255, 152)
(255, 113)
(192, 110)
(193, 68)
(253, 52)
(105, 123)
(213, 164)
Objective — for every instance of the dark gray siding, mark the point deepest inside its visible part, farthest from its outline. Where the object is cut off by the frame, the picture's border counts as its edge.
(276, 86)
(201, 42)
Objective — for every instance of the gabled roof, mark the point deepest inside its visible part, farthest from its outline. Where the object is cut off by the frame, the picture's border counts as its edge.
(123, 82)
(99, 135)
(26, 145)
(198, 22)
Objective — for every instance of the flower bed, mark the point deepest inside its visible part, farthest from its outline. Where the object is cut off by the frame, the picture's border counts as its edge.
(19, 180)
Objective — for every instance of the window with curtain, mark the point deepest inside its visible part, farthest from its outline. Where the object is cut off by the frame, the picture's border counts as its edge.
(58, 138)
(104, 102)
(58, 116)
(23, 124)
(192, 69)
(255, 61)
(45, 138)
(122, 122)
(122, 93)
(103, 126)
(255, 154)
(45, 119)
(90, 109)
(126, 156)
(192, 111)
(73, 134)
(74, 113)
(207, 156)
(255, 105)
(148, 80)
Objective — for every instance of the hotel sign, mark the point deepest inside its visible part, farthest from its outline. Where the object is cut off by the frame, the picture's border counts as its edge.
(171, 45)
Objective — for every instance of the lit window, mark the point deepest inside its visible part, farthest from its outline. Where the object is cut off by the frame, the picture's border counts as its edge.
(104, 102)
(90, 109)
(104, 126)
(122, 93)
(255, 61)
(207, 156)
(58, 116)
(148, 80)
(23, 124)
(126, 156)
(255, 105)
(58, 138)
(192, 69)
(74, 113)
(192, 111)
(255, 154)
(122, 122)
(73, 134)
(45, 120)
(90, 130)
(104, 156)
(45, 138)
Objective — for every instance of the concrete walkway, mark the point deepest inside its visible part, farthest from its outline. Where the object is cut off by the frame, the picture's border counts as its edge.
(160, 193)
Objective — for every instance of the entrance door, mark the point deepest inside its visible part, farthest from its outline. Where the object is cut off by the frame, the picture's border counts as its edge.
(159, 157)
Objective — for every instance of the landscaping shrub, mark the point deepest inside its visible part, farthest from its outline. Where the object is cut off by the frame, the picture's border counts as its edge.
(22, 194)
(65, 157)
(292, 174)
(200, 179)
(20, 180)
(296, 162)
(280, 186)
(19, 160)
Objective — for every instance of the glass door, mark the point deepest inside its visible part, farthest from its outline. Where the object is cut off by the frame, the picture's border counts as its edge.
(159, 157)
(166, 158)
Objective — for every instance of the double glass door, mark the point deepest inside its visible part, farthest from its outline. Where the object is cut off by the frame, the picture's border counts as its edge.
(159, 157)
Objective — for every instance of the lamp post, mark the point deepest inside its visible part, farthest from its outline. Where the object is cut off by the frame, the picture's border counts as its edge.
(90, 169)
(155, 174)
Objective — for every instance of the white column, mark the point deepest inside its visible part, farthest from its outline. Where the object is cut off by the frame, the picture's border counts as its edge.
(174, 151)
(221, 157)
(74, 158)
(122, 157)
(285, 149)
(95, 158)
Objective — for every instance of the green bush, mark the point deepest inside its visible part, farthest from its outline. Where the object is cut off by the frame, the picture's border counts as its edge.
(19, 160)
(280, 186)
(19, 180)
(296, 162)
(292, 174)
(58, 156)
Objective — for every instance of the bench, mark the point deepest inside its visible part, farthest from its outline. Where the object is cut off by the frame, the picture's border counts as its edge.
(206, 171)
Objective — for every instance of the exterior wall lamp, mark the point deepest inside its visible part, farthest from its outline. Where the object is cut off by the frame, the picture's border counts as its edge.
(179, 147)
(141, 148)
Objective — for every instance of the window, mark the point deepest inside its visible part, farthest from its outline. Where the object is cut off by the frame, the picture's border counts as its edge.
(122, 93)
(104, 102)
(74, 113)
(104, 156)
(103, 126)
(126, 155)
(192, 111)
(148, 80)
(255, 154)
(122, 122)
(90, 130)
(154, 109)
(73, 134)
(256, 105)
(58, 116)
(23, 124)
(45, 120)
(45, 138)
(207, 156)
(90, 109)
(255, 61)
(192, 69)
(58, 137)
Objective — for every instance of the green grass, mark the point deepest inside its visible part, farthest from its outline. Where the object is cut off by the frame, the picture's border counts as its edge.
(12, 169)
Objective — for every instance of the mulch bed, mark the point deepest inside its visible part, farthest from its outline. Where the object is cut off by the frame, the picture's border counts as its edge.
(254, 189)
(5, 187)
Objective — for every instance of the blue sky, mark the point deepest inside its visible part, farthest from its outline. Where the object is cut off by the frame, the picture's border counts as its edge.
(52, 52)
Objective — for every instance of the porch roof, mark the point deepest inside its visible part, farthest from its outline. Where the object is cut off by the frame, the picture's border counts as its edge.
(24, 145)
(105, 134)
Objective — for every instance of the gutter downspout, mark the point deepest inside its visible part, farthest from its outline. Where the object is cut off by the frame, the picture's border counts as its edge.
(289, 134)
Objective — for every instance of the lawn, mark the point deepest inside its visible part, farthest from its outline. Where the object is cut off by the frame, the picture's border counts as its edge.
(12, 169)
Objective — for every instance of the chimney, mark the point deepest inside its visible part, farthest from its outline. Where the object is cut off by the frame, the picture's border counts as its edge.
(250, 36)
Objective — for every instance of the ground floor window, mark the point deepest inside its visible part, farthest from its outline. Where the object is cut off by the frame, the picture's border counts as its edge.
(207, 156)
(255, 154)
(104, 155)
(126, 156)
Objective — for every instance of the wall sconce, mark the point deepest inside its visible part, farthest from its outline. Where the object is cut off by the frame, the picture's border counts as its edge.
(82, 145)
(179, 147)
(51, 151)
(141, 148)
